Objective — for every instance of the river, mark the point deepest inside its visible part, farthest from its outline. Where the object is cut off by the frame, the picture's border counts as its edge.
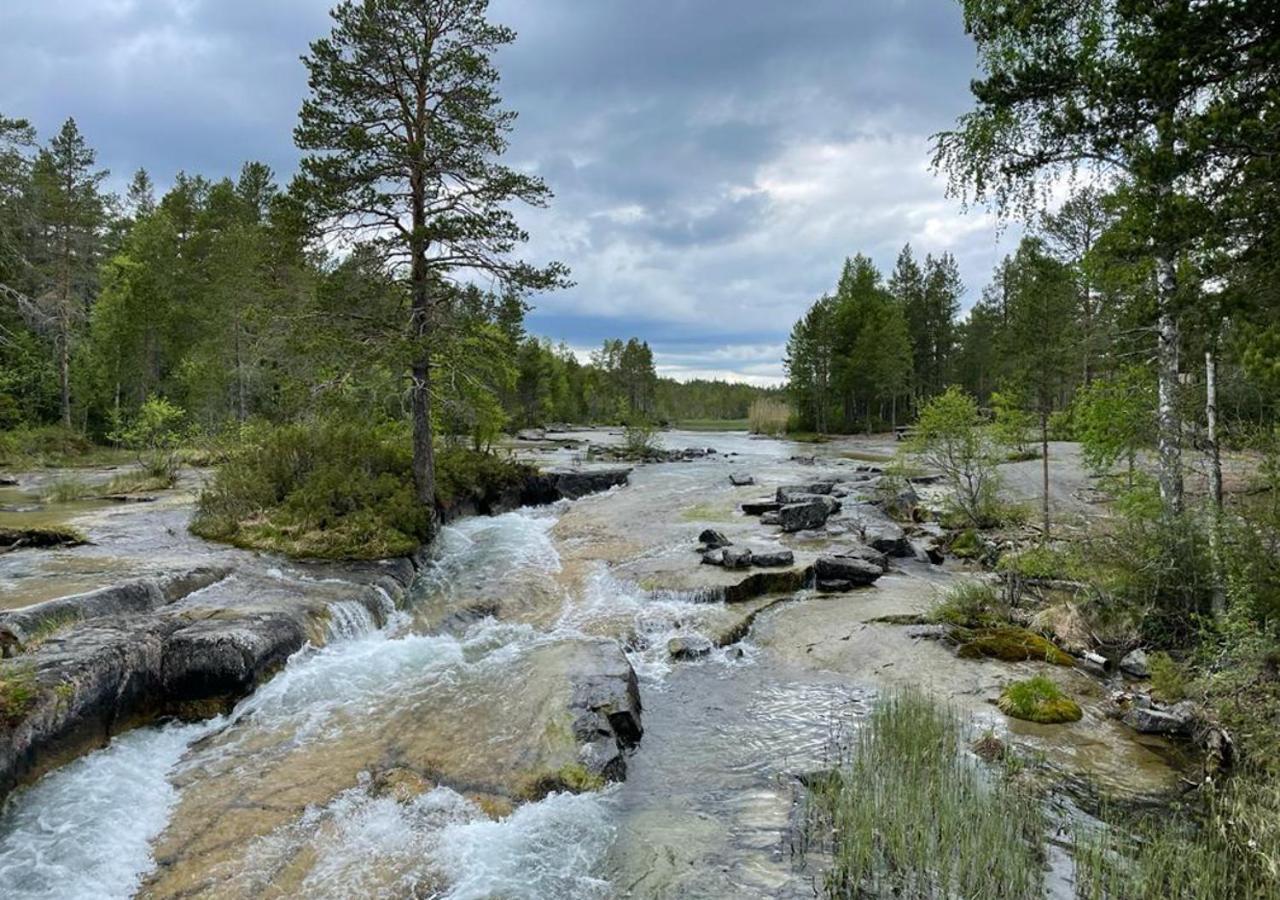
(392, 760)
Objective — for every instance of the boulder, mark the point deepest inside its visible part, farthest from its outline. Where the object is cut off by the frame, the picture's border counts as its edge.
(845, 571)
(793, 493)
(887, 537)
(807, 515)
(571, 484)
(866, 554)
(605, 707)
(713, 540)
(1135, 664)
(713, 557)
(772, 558)
(691, 647)
(736, 558)
(759, 507)
(1175, 720)
(928, 549)
(770, 518)
(741, 479)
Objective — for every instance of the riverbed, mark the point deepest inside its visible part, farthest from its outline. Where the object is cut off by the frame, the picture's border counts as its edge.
(395, 756)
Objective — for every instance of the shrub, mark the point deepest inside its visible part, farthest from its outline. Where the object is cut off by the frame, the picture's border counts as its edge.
(155, 434)
(1168, 682)
(1042, 561)
(42, 445)
(1038, 700)
(906, 813)
(639, 439)
(1012, 426)
(951, 439)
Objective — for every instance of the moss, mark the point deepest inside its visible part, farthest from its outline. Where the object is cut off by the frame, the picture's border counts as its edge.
(17, 694)
(1038, 700)
(570, 778)
(706, 512)
(50, 627)
(1008, 644)
(966, 545)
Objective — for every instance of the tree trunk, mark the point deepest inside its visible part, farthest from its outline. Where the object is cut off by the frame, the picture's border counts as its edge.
(1044, 469)
(1215, 482)
(64, 374)
(1168, 424)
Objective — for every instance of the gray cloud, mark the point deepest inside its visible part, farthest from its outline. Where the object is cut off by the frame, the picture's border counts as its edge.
(713, 163)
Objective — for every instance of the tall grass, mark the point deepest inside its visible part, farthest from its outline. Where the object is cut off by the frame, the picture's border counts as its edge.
(67, 489)
(768, 416)
(906, 813)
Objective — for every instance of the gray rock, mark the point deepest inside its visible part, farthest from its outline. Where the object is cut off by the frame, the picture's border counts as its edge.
(770, 518)
(793, 493)
(772, 558)
(736, 558)
(1135, 664)
(713, 558)
(605, 707)
(741, 479)
(531, 434)
(887, 537)
(759, 507)
(570, 484)
(807, 515)
(691, 647)
(1176, 720)
(852, 570)
(866, 554)
(713, 540)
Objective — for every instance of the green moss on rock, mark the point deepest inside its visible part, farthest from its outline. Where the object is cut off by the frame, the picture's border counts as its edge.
(1009, 645)
(1038, 700)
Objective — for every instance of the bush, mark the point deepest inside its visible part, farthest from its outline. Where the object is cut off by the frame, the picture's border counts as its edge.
(1168, 682)
(950, 438)
(1038, 700)
(155, 434)
(639, 439)
(41, 446)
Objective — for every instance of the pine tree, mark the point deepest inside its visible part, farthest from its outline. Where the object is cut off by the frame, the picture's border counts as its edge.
(403, 128)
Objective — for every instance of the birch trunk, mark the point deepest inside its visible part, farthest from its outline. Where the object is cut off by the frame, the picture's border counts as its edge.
(1168, 424)
(1215, 481)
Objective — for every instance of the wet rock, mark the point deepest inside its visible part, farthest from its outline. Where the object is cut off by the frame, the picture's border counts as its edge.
(741, 479)
(713, 558)
(758, 584)
(807, 515)
(736, 558)
(400, 784)
(39, 538)
(1175, 720)
(531, 434)
(928, 550)
(1135, 664)
(770, 518)
(713, 540)
(772, 558)
(460, 620)
(227, 658)
(8, 481)
(759, 507)
(887, 537)
(691, 647)
(571, 484)
(794, 493)
(851, 571)
(605, 706)
(867, 554)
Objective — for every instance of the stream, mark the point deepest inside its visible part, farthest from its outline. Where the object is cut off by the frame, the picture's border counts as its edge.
(393, 760)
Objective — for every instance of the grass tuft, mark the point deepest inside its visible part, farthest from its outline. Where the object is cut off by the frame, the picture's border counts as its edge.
(906, 813)
(1038, 700)
(970, 604)
(17, 693)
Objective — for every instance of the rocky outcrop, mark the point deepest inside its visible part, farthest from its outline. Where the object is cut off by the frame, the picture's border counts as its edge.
(569, 484)
(20, 627)
(605, 707)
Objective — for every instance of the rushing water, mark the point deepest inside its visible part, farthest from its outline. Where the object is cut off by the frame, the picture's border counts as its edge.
(280, 798)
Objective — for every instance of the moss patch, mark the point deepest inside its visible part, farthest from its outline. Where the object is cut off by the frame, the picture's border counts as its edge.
(17, 694)
(1009, 645)
(570, 778)
(1038, 700)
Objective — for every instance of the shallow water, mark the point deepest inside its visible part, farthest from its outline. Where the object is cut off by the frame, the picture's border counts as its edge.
(467, 687)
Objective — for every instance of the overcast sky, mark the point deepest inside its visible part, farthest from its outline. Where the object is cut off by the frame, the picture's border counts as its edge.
(713, 162)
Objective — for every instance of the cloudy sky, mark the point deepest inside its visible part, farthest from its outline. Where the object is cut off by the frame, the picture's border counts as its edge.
(713, 162)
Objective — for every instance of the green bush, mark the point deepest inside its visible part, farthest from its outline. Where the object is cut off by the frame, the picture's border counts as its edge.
(155, 435)
(42, 445)
(1041, 561)
(1168, 681)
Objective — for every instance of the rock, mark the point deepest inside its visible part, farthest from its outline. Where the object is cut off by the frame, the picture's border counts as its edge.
(759, 507)
(887, 537)
(8, 481)
(1176, 720)
(850, 570)
(223, 659)
(736, 558)
(691, 647)
(400, 784)
(713, 558)
(807, 515)
(571, 484)
(925, 479)
(866, 554)
(741, 479)
(770, 518)
(1135, 664)
(531, 434)
(605, 707)
(758, 584)
(928, 549)
(772, 558)
(794, 493)
(713, 540)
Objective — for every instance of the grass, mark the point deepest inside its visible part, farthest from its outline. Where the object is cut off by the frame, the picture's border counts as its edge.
(1042, 562)
(68, 489)
(970, 604)
(807, 437)
(140, 482)
(1228, 848)
(906, 813)
(768, 416)
(1038, 700)
(1168, 681)
(17, 693)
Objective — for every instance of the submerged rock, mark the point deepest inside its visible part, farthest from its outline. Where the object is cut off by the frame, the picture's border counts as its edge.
(741, 479)
(691, 647)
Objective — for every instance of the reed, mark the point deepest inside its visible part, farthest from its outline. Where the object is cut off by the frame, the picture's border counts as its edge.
(768, 416)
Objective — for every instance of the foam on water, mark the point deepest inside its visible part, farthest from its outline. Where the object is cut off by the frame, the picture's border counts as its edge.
(349, 619)
(85, 830)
